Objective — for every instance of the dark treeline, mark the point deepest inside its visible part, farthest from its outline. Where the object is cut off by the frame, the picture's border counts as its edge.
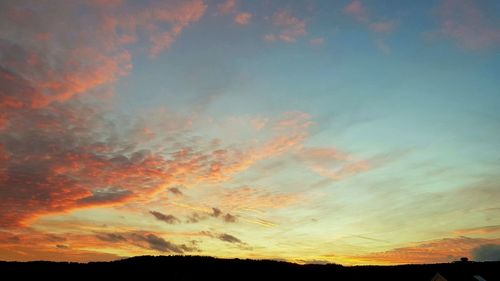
(195, 267)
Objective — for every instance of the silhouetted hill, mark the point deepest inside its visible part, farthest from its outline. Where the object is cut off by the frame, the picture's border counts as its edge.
(195, 267)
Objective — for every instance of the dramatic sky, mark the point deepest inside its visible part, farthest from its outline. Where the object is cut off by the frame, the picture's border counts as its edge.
(349, 131)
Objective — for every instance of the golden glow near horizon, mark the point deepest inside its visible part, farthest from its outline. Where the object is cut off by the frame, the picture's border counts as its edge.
(308, 131)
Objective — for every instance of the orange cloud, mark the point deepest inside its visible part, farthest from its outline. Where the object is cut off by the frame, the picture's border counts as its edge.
(67, 155)
(69, 166)
(437, 251)
(180, 16)
(21, 247)
(255, 198)
(479, 230)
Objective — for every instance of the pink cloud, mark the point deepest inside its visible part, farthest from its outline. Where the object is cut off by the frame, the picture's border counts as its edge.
(317, 41)
(227, 7)
(180, 16)
(468, 24)
(68, 154)
(231, 7)
(357, 10)
(290, 27)
(332, 163)
(243, 18)
(383, 26)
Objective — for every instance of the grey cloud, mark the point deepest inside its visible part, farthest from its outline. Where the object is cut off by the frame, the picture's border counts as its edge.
(176, 191)
(147, 241)
(216, 212)
(107, 194)
(487, 252)
(195, 217)
(170, 219)
(228, 238)
(157, 243)
(111, 237)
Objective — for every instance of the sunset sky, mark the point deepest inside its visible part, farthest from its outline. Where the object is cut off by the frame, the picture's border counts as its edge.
(352, 132)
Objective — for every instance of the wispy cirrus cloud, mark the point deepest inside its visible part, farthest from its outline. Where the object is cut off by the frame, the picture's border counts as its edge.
(384, 26)
(380, 27)
(227, 7)
(479, 230)
(467, 23)
(231, 7)
(332, 163)
(290, 27)
(357, 9)
(436, 251)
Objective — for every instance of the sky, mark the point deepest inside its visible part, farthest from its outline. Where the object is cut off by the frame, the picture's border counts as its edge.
(351, 132)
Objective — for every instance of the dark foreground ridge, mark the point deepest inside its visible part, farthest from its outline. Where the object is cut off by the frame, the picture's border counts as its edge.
(208, 268)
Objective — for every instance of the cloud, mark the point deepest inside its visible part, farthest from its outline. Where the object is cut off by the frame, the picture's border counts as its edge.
(317, 41)
(62, 148)
(216, 212)
(468, 24)
(357, 10)
(55, 238)
(227, 7)
(331, 163)
(49, 247)
(106, 195)
(176, 191)
(290, 28)
(222, 237)
(68, 153)
(383, 26)
(487, 252)
(436, 251)
(246, 197)
(230, 218)
(243, 18)
(231, 7)
(170, 219)
(195, 217)
(46, 253)
(111, 237)
(180, 15)
(479, 230)
(146, 240)
(157, 243)
(228, 238)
